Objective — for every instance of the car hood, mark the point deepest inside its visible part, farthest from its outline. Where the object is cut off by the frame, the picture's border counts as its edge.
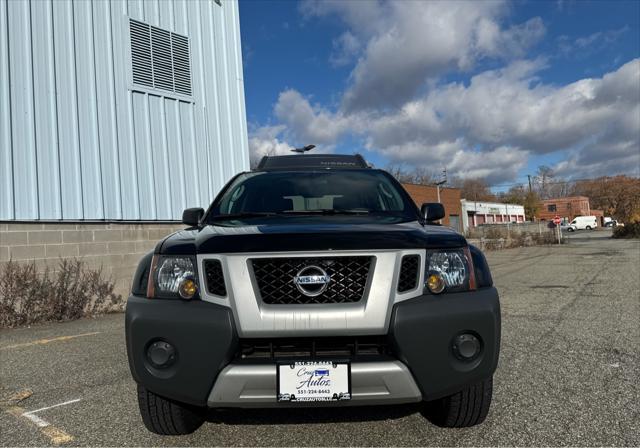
(309, 237)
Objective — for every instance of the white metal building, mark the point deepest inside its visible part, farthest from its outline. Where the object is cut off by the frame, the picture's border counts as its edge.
(475, 213)
(118, 110)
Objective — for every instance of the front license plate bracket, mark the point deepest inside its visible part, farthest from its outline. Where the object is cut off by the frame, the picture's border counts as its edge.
(313, 381)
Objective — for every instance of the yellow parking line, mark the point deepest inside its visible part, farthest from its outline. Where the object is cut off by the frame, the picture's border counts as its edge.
(55, 435)
(46, 341)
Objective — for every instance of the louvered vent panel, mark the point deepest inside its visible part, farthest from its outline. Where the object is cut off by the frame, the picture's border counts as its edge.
(181, 64)
(161, 52)
(160, 58)
(141, 54)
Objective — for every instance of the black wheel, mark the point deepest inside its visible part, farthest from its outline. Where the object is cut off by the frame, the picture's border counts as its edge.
(166, 417)
(570, 229)
(468, 407)
(588, 227)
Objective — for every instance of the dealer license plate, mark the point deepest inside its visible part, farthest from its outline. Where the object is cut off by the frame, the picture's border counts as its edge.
(314, 381)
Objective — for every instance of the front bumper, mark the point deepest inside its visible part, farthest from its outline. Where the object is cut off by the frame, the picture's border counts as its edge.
(254, 385)
(421, 332)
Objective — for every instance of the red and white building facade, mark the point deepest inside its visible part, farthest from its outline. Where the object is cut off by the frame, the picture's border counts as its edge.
(475, 213)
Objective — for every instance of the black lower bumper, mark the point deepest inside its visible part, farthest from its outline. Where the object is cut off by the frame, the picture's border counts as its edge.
(423, 330)
(204, 338)
(421, 333)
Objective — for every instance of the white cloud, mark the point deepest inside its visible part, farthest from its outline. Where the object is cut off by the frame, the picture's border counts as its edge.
(345, 49)
(264, 141)
(584, 46)
(493, 166)
(490, 127)
(407, 43)
(396, 104)
(306, 123)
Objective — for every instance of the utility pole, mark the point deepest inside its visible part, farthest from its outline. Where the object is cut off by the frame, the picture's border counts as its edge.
(506, 210)
(442, 182)
(475, 205)
(529, 199)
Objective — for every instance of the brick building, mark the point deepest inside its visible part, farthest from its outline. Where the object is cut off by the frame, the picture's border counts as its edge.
(567, 208)
(449, 197)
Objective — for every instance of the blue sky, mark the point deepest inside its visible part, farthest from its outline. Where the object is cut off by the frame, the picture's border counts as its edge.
(488, 90)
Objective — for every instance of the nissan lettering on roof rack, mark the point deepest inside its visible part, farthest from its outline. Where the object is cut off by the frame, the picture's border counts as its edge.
(313, 280)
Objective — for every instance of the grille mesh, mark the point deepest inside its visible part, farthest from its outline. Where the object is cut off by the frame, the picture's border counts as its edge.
(214, 277)
(274, 277)
(409, 270)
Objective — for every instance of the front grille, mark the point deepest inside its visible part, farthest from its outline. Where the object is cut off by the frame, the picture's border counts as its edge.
(409, 273)
(275, 279)
(214, 277)
(309, 348)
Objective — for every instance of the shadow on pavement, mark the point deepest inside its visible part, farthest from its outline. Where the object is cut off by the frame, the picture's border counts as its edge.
(295, 416)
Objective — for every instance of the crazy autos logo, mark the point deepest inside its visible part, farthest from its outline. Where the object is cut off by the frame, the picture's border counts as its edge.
(313, 378)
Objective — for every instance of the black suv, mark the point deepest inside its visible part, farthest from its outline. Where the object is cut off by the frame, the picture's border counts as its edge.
(313, 280)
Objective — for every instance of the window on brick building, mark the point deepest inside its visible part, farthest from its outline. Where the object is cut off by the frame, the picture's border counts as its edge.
(551, 208)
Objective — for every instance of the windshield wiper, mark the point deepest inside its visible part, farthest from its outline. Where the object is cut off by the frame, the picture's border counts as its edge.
(242, 215)
(326, 211)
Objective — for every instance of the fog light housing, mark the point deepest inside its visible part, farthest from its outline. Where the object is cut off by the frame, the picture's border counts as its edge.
(435, 283)
(466, 347)
(188, 288)
(161, 354)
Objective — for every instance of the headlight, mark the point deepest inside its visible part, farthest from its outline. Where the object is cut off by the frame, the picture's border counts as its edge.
(172, 277)
(449, 270)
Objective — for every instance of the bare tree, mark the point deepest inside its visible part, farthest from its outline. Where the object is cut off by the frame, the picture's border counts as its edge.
(544, 178)
(617, 196)
(473, 189)
(417, 175)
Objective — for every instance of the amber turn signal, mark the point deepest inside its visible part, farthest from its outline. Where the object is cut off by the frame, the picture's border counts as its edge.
(435, 283)
(187, 288)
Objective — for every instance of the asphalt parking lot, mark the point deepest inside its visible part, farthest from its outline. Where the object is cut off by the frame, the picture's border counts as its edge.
(568, 373)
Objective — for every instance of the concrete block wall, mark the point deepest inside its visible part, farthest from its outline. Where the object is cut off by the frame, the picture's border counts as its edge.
(116, 247)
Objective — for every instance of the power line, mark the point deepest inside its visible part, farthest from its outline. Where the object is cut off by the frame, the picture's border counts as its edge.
(556, 182)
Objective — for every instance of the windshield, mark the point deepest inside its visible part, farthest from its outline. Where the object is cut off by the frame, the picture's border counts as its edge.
(260, 194)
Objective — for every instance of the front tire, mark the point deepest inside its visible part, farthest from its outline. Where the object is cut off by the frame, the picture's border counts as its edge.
(588, 227)
(466, 408)
(166, 417)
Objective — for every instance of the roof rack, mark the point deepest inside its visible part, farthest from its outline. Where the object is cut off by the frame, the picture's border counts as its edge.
(312, 161)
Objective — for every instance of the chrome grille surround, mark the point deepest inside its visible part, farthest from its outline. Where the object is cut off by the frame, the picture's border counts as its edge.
(369, 316)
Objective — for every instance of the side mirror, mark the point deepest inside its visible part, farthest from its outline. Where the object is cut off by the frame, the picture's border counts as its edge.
(192, 216)
(432, 211)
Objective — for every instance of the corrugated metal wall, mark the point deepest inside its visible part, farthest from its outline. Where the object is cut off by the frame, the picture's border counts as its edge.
(78, 140)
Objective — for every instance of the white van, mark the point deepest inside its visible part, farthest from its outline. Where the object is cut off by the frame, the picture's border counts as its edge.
(583, 223)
